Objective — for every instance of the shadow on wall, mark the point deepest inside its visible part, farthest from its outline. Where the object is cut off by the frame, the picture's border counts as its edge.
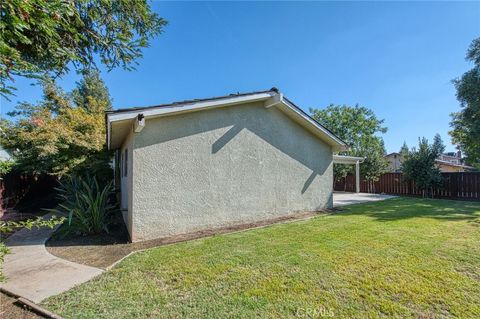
(270, 125)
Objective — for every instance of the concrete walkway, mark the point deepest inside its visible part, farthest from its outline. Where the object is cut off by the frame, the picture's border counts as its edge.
(32, 272)
(343, 198)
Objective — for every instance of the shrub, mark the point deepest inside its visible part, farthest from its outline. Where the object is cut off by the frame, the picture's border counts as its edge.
(419, 166)
(3, 251)
(87, 204)
(11, 226)
(5, 167)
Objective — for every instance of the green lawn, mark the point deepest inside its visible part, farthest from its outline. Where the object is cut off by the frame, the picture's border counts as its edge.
(396, 258)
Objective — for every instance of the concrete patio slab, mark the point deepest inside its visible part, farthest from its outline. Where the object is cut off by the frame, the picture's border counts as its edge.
(344, 198)
(32, 272)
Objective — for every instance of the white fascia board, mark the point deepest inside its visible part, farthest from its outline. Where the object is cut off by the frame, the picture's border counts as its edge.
(311, 121)
(271, 98)
(342, 159)
(189, 107)
(273, 101)
(179, 108)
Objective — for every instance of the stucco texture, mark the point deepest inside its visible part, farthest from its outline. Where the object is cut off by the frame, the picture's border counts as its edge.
(224, 167)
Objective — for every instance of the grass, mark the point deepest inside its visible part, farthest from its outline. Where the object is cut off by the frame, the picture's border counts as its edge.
(3, 251)
(396, 258)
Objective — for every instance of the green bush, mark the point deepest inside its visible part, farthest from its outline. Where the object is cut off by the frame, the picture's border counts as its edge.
(87, 204)
(3, 251)
(11, 226)
(5, 167)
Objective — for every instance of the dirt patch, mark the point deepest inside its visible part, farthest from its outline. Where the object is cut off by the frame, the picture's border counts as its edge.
(104, 250)
(10, 309)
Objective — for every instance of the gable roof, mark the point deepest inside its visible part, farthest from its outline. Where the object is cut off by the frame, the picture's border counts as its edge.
(393, 153)
(447, 163)
(120, 122)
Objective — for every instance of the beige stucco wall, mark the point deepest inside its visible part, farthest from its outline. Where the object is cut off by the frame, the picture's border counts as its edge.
(224, 167)
(450, 168)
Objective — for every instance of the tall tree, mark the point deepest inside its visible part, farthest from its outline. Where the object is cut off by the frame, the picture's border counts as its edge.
(466, 123)
(39, 37)
(63, 133)
(359, 127)
(438, 145)
(91, 86)
(404, 149)
(419, 166)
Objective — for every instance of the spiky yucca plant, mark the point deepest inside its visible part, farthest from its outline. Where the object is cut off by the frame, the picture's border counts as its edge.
(86, 203)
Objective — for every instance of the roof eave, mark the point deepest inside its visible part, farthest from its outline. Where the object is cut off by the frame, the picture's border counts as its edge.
(197, 105)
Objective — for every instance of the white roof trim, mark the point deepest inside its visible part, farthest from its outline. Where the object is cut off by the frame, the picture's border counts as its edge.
(187, 107)
(222, 102)
(343, 159)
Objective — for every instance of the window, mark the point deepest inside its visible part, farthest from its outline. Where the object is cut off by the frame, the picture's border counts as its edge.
(125, 165)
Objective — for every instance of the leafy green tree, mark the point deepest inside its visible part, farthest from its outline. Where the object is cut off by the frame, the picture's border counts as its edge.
(359, 127)
(466, 123)
(39, 37)
(91, 86)
(63, 133)
(419, 165)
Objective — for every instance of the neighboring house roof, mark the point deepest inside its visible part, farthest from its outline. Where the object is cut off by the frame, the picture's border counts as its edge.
(439, 161)
(119, 122)
(447, 163)
(394, 153)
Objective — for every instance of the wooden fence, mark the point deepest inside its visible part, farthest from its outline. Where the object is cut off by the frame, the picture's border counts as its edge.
(463, 186)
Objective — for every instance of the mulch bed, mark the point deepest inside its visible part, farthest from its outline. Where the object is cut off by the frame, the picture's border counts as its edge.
(104, 250)
(9, 309)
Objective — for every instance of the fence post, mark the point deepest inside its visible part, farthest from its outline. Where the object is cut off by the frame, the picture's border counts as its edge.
(357, 177)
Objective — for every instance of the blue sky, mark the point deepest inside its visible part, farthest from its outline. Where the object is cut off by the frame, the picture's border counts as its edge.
(397, 58)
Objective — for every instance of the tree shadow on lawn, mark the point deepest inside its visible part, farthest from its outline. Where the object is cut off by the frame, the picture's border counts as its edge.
(405, 208)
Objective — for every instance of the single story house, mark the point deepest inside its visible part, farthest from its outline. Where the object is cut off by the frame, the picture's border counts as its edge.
(447, 163)
(210, 163)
